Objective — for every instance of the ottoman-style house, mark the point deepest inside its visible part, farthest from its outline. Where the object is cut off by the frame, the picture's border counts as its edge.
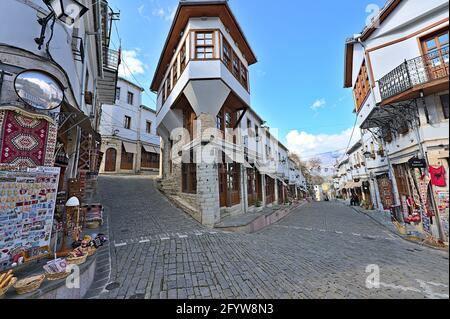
(217, 156)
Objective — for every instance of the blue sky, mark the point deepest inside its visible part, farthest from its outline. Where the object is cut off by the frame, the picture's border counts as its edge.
(297, 85)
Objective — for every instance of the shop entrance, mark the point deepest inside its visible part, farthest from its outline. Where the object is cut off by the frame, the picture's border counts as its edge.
(110, 160)
(229, 184)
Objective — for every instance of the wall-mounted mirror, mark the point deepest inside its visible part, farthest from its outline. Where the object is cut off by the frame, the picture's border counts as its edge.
(39, 89)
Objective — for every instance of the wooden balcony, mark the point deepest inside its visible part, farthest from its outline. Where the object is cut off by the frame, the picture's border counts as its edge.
(427, 74)
(107, 85)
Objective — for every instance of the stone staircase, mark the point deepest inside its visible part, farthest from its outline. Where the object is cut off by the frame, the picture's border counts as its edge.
(168, 186)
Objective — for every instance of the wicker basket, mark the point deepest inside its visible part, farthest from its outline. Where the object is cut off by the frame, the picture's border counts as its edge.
(93, 224)
(29, 284)
(90, 251)
(77, 260)
(57, 275)
(5, 289)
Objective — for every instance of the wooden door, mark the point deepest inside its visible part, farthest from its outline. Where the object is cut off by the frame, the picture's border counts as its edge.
(270, 190)
(259, 190)
(110, 160)
(234, 183)
(251, 187)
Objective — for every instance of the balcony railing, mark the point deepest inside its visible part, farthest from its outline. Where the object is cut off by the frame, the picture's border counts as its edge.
(423, 69)
(111, 59)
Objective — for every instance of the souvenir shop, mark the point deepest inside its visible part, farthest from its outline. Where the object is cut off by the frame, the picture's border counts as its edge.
(421, 191)
(46, 226)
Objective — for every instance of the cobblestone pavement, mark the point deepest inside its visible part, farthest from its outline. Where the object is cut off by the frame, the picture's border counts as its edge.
(321, 250)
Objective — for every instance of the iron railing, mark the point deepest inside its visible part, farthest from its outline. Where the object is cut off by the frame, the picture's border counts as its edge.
(420, 70)
(111, 59)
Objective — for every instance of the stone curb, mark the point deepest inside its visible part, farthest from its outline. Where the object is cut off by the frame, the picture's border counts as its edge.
(405, 238)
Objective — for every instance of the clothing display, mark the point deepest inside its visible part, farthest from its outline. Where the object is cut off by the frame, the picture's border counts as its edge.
(438, 176)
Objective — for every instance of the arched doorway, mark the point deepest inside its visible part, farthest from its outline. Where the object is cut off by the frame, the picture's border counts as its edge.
(110, 160)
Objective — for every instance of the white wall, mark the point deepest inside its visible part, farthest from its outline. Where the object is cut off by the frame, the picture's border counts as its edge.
(21, 17)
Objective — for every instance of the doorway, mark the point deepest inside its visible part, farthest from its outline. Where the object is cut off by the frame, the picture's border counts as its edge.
(110, 160)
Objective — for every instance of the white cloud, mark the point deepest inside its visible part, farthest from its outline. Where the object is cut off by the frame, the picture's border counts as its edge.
(141, 11)
(131, 64)
(318, 104)
(165, 13)
(309, 145)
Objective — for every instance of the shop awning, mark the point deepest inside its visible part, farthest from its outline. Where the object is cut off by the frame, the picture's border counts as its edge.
(271, 176)
(78, 118)
(151, 149)
(247, 164)
(130, 147)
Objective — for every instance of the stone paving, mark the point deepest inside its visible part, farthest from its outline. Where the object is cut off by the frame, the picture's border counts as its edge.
(321, 250)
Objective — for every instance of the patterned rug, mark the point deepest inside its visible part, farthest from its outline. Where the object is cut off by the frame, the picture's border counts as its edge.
(26, 141)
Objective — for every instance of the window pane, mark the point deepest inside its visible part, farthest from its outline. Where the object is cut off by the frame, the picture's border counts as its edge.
(209, 49)
(209, 56)
(209, 42)
(200, 35)
(443, 38)
(200, 56)
(431, 44)
(208, 35)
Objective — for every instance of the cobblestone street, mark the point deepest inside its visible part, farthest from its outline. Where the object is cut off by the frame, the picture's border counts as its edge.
(319, 251)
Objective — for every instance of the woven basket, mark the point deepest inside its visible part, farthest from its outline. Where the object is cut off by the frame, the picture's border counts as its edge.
(77, 260)
(57, 275)
(93, 224)
(91, 251)
(29, 284)
(5, 289)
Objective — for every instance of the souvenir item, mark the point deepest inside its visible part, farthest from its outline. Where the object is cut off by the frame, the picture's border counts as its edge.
(29, 199)
(437, 176)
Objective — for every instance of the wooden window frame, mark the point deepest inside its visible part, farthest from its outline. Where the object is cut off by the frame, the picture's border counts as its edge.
(183, 58)
(205, 46)
(433, 35)
(189, 176)
(175, 75)
(227, 59)
(244, 76)
(361, 89)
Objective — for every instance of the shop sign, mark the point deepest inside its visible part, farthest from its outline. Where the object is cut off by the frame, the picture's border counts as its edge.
(416, 162)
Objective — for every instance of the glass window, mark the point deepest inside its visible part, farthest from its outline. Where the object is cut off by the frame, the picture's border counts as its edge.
(130, 98)
(204, 45)
(148, 127)
(183, 58)
(118, 94)
(127, 122)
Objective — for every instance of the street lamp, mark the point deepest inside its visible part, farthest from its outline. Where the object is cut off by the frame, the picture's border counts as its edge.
(67, 11)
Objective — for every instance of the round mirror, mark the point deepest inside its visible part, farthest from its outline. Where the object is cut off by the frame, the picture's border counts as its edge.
(39, 90)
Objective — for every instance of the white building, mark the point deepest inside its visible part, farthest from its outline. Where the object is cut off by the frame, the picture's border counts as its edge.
(218, 157)
(398, 68)
(77, 57)
(128, 130)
